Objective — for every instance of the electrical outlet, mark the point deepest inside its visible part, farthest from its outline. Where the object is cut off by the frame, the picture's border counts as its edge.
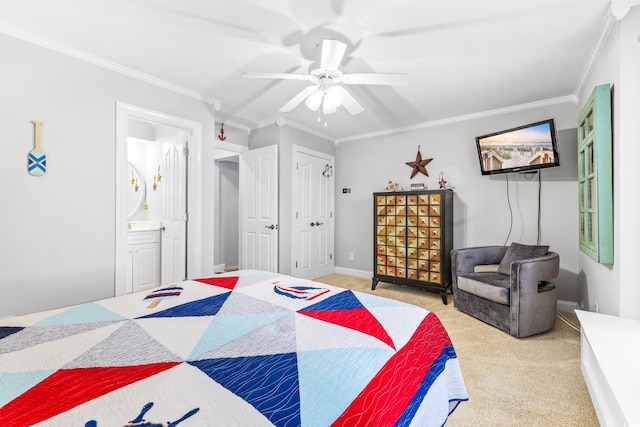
(352, 256)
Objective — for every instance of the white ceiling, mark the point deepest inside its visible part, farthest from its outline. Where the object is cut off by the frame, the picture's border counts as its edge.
(463, 57)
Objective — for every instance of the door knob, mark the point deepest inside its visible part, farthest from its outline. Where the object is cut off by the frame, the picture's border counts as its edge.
(312, 224)
(319, 223)
(272, 227)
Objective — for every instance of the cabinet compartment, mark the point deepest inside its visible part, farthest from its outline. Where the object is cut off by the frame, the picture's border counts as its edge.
(143, 263)
(413, 238)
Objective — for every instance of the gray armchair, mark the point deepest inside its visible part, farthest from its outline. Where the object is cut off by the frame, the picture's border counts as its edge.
(515, 294)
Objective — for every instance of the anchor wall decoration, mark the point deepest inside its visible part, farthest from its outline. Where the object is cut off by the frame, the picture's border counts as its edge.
(221, 137)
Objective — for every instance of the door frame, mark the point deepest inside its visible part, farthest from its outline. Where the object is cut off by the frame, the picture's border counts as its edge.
(223, 151)
(194, 188)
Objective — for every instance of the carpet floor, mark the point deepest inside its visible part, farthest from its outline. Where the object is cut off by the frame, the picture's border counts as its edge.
(534, 381)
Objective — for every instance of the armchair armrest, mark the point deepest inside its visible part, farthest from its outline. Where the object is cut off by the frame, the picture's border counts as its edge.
(526, 274)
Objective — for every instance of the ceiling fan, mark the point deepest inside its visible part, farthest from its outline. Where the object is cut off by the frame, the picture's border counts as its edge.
(327, 80)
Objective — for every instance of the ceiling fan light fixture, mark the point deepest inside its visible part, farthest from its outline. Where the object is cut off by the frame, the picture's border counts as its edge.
(328, 109)
(314, 100)
(332, 99)
(327, 77)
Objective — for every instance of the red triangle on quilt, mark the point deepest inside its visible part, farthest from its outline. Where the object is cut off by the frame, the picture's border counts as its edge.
(67, 388)
(223, 282)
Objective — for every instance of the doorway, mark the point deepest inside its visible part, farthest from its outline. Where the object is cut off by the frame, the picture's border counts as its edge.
(156, 204)
(246, 220)
(179, 155)
(227, 206)
(227, 213)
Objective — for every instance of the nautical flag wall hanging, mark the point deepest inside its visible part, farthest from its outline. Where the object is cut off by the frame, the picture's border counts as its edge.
(37, 159)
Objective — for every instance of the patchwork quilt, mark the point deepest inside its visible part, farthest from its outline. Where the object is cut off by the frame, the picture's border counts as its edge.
(244, 349)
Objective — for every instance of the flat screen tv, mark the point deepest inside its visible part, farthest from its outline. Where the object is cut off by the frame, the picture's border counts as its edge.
(523, 149)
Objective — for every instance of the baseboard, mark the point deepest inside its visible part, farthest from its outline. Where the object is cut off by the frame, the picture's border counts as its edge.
(566, 306)
(353, 272)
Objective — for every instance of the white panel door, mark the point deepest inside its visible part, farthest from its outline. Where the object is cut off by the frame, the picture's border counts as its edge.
(258, 185)
(313, 192)
(174, 211)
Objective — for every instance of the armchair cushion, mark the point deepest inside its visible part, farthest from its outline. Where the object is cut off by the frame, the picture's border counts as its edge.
(486, 268)
(492, 286)
(518, 252)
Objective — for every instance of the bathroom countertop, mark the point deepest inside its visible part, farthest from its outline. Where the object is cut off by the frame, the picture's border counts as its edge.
(135, 226)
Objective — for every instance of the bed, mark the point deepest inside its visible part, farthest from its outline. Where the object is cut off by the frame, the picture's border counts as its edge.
(247, 348)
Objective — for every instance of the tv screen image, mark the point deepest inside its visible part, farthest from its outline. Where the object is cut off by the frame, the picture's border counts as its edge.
(523, 149)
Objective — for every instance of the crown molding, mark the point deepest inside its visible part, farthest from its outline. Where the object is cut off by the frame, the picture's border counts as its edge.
(37, 40)
(620, 8)
(603, 36)
(233, 124)
(441, 122)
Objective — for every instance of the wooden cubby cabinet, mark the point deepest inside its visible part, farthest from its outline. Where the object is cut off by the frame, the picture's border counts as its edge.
(413, 238)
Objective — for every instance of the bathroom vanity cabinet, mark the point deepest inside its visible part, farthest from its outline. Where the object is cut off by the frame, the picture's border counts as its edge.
(143, 260)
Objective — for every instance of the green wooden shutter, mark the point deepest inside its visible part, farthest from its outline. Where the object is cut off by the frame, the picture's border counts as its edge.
(595, 179)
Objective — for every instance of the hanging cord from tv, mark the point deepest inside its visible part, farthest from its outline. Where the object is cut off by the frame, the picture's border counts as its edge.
(511, 209)
(539, 203)
(506, 176)
(526, 176)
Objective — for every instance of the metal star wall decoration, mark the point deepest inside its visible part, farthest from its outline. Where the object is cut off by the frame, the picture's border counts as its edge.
(419, 165)
(442, 182)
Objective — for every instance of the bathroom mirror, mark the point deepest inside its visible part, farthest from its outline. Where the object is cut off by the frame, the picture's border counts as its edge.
(136, 191)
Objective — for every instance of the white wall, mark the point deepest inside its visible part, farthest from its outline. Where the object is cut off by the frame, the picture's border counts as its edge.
(616, 288)
(58, 230)
(481, 212)
(628, 196)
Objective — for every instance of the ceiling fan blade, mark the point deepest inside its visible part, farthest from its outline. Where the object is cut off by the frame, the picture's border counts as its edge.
(332, 53)
(288, 76)
(398, 79)
(301, 96)
(348, 101)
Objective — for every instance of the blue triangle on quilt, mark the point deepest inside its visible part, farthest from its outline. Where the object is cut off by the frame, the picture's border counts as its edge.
(16, 383)
(324, 394)
(262, 334)
(6, 331)
(342, 301)
(202, 307)
(84, 313)
(268, 383)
